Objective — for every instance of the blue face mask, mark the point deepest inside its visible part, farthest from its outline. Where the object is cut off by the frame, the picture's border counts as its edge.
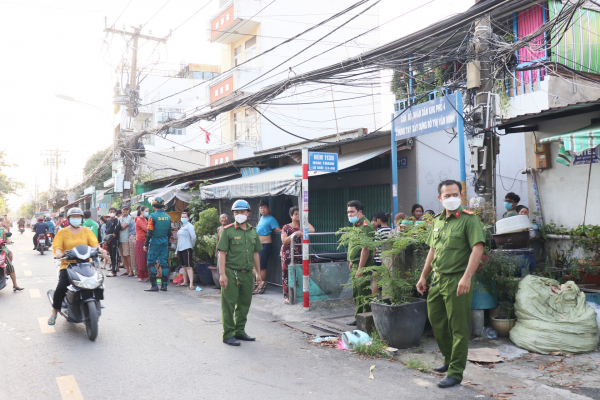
(146, 214)
(507, 205)
(184, 220)
(75, 222)
(353, 220)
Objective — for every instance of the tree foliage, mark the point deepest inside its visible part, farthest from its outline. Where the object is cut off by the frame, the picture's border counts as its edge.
(206, 230)
(91, 165)
(7, 185)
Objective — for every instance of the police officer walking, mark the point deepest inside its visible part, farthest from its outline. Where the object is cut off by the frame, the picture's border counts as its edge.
(238, 248)
(456, 247)
(157, 244)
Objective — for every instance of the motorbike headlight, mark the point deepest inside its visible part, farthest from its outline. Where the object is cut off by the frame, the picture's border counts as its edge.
(85, 282)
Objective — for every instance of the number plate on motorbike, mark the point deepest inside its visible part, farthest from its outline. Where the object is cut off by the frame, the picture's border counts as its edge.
(42, 240)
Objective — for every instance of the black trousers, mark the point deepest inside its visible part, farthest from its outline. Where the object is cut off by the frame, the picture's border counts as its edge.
(113, 251)
(61, 289)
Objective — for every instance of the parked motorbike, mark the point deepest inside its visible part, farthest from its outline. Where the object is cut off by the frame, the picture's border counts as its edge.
(82, 301)
(3, 259)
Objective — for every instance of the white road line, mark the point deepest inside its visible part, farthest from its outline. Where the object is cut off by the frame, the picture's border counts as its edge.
(34, 293)
(27, 273)
(69, 390)
(44, 327)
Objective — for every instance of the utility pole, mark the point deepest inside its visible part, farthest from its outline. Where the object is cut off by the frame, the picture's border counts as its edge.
(133, 91)
(488, 146)
(53, 159)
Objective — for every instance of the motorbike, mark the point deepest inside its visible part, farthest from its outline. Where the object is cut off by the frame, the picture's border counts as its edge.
(48, 240)
(41, 244)
(82, 301)
(3, 259)
(21, 229)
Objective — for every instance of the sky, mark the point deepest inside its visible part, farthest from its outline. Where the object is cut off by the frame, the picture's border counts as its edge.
(59, 47)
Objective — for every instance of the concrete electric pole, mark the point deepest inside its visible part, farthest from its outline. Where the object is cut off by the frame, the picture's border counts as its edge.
(53, 159)
(133, 91)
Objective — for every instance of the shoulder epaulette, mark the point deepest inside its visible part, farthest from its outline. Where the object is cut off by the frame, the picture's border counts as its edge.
(437, 215)
(227, 226)
(468, 212)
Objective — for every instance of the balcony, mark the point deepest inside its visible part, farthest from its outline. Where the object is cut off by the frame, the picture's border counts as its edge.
(225, 88)
(233, 22)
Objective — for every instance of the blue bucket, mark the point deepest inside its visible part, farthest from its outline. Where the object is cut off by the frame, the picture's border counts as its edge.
(593, 298)
(482, 299)
(525, 259)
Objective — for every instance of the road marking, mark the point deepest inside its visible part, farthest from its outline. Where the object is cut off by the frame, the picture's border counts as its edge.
(43, 321)
(27, 273)
(34, 293)
(24, 264)
(22, 258)
(69, 390)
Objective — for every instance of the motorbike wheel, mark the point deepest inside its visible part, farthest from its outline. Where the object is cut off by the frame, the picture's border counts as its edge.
(91, 324)
(42, 250)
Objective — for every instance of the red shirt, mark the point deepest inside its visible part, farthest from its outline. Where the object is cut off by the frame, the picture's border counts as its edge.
(141, 227)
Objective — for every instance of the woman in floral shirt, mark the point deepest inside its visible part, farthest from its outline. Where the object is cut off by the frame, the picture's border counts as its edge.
(291, 232)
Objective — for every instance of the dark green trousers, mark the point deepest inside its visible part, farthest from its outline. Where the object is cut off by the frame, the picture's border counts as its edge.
(450, 317)
(235, 302)
(360, 293)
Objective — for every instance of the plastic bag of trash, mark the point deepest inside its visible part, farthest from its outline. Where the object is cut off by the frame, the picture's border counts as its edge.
(553, 317)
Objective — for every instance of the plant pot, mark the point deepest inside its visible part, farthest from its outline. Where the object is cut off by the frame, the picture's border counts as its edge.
(511, 241)
(589, 277)
(215, 275)
(401, 326)
(502, 325)
(204, 274)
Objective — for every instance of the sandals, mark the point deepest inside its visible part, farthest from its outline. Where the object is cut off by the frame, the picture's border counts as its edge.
(286, 301)
(17, 289)
(192, 288)
(110, 274)
(260, 289)
(124, 273)
(182, 284)
(51, 321)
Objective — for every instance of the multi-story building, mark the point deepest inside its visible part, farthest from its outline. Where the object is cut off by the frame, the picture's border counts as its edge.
(179, 150)
(254, 56)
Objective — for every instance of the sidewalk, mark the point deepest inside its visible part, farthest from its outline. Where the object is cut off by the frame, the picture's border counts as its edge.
(521, 375)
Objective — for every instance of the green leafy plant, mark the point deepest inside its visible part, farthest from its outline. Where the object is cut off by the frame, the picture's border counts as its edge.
(196, 204)
(497, 274)
(375, 348)
(418, 364)
(206, 230)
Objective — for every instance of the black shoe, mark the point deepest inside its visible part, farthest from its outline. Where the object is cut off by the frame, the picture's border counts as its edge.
(152, 289)
(353, 323)
(245, 337)
(163, 288)
(231, 341)
(447, 382)
(442, 368)
(17, 289)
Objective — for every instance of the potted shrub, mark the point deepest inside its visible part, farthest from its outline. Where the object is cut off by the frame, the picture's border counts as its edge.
(206, 242)
(498, 275)
(588, 239)
(399, 314)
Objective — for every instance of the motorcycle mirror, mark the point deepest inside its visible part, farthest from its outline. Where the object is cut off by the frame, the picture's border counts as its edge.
(8, 234)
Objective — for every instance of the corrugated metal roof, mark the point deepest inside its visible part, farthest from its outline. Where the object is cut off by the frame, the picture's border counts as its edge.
(552, 113)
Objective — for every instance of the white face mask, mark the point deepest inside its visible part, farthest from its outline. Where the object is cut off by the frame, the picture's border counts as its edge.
(451, 203)
(241, 218)
(112, 215)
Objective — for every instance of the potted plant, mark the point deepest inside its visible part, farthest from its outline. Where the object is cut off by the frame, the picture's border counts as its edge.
(206, 242)
(399, 314)
(498, 275)
(588, 239)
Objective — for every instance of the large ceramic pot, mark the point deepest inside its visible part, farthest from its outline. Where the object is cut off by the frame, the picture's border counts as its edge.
(502, 325)
(401, 326)
(204, 273)
(215, 275)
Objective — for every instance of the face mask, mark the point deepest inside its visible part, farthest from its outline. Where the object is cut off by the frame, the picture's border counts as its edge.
(75, 222)
(241, 218)
(184, 220)
(353, 220)
(507, 205)
(112, 215)
(146, 214)
(451, 203)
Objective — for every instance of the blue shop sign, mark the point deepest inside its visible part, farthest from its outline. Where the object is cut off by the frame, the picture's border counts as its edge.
(323, 162)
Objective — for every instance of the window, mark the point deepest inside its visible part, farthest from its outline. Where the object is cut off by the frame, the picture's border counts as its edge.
(250, 48)
(237, 125)
(227, 87)
(251, 129)
(221, 90)
(237, 55)
(178, 132)
(227, 17)
(221, 160)
(216, 161)
(217, 25)
(222, 21)
(216, 92)
(227, 159)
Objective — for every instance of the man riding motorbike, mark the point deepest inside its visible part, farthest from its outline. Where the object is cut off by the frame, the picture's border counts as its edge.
(40, 229)
(50, 226)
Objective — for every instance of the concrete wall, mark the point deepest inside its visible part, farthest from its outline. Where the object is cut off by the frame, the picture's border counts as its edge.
(563, 189)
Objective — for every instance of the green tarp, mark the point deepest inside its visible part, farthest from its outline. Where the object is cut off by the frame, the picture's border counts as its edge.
(576, 141)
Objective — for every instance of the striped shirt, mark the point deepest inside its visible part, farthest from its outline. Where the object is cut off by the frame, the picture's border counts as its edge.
(383, 233)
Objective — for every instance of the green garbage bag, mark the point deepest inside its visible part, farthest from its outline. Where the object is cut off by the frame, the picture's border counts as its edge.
(548, 321)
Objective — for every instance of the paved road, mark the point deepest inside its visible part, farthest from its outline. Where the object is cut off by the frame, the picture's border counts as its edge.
(168, 346)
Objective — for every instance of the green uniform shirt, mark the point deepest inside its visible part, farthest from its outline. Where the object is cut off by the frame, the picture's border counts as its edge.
(453, 239)
(240, 246)
(159, 223)
(91, 225)
(354, 250)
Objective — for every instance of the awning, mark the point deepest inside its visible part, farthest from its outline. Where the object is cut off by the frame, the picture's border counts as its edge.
(79, 200)
(281, 181)
(168, 193)
(576, 141)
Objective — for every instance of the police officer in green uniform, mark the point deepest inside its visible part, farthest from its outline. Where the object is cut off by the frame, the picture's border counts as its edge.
(157, 244)
(359, 258)
(238, 247)
(456, 247)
